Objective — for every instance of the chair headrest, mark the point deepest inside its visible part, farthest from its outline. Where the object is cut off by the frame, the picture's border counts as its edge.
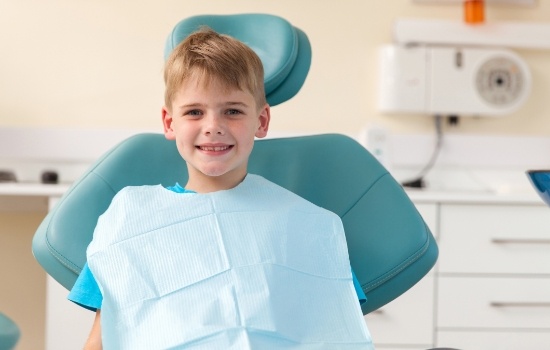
(284, 50)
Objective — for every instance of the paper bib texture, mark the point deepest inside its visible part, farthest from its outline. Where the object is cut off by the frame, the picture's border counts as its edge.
(254, 267)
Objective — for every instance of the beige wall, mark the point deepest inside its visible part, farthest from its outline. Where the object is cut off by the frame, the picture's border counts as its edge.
(98, 63)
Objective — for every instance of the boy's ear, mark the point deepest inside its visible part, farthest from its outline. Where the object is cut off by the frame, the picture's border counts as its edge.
(263, 122)
(167, 124)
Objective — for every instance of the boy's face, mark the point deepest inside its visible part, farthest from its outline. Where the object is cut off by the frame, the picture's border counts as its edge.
(214, 129)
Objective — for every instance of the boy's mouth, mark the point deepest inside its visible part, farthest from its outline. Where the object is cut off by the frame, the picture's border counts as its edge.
(214, 148)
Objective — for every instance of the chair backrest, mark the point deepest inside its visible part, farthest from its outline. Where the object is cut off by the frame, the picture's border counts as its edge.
(285, 50)
(389, 244)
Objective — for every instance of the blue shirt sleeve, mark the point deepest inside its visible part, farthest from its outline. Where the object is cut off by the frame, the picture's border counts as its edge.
(85, 291)
(360, 294)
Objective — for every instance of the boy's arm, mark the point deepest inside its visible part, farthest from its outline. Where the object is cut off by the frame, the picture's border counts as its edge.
(94, 339)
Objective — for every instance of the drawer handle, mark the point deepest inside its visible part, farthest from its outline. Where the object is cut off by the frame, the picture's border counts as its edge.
(520, 241)
(519, 304)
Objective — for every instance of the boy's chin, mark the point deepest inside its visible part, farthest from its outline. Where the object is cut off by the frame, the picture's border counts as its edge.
(223, 174)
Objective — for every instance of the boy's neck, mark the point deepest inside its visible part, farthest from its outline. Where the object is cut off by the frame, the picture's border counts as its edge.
(213, 184)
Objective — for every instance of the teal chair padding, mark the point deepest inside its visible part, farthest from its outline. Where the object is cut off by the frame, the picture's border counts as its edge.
(9, 333)
(390, 246)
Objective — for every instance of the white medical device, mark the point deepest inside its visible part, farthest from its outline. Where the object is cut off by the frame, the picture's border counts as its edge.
(450, 67)
(451, 80)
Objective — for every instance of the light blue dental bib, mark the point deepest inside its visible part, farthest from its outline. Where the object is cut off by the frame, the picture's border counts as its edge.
(254, 267)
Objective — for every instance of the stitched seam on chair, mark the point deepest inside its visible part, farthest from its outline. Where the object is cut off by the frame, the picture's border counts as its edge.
(105, 182)
(364, 193)
(60, 257)
(419, 253)
(63, 260)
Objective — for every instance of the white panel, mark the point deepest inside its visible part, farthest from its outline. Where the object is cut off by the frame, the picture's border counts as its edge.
(447, 32)
(503, 340)
(402, 80)
(494, 239)
(493, 303)
(60, 144)
(407, 320)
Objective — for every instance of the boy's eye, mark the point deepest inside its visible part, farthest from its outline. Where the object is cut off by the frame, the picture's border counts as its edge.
(233, 112)
(193, 113)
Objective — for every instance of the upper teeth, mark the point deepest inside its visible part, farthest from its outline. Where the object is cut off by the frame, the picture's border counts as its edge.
(215, 149)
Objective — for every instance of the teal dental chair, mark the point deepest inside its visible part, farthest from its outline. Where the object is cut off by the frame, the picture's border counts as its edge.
(390, 246)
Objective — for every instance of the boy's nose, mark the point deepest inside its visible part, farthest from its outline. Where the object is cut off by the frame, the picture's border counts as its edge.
(214, 125)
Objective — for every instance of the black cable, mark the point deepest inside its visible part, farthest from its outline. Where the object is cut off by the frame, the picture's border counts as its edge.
(418, 181)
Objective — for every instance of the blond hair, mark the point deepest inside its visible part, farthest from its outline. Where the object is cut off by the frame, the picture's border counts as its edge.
(209, 56)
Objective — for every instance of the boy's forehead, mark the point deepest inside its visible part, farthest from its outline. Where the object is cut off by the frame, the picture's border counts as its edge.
(199, 80)
(193, 90)
(204, 82)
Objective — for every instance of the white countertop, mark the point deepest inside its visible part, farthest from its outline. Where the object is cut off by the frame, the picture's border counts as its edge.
(23, 197)
(465, 197)
(32, 189)
(416, 195)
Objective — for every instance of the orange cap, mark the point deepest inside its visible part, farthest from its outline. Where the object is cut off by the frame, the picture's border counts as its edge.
(474, 11)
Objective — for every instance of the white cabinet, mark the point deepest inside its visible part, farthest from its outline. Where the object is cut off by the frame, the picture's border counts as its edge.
(494, 239)
(490, 303)
(496, 340)
(493, 289)
(406, 322)
(491, 286)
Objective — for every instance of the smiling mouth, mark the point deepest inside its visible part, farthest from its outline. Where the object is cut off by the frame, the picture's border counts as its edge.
(214, 148)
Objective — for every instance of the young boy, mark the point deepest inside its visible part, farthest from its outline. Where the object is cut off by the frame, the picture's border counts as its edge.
(231, 261)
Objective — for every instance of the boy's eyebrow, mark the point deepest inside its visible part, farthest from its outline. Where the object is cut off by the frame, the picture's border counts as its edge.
(188, 105)
(228, 103)
(236, 103)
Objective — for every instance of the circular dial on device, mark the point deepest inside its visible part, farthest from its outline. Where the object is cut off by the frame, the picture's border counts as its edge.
(500, 81)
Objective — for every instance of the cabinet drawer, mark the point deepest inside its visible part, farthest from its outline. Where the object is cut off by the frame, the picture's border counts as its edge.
(477, 302)
(494, 340)
(494, 239)
(407, 320)
(430, 214)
